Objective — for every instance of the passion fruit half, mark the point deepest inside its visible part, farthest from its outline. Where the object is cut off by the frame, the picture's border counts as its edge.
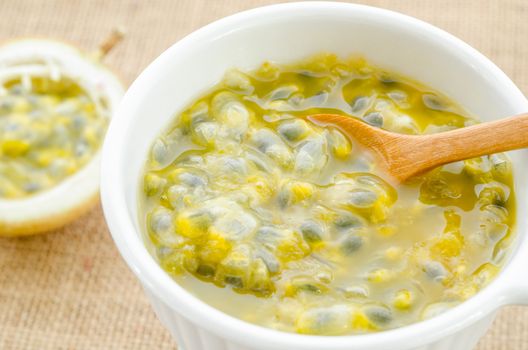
(55, 104)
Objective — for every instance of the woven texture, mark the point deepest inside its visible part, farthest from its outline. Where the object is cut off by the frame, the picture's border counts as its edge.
(70, 289)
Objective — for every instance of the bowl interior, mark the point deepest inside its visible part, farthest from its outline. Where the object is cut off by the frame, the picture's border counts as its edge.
(182, 75)
(288, 33)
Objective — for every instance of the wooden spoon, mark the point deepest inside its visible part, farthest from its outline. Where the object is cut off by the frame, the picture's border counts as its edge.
(404, 156)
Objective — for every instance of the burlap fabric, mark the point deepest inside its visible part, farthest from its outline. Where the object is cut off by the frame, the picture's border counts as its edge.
(70, 289)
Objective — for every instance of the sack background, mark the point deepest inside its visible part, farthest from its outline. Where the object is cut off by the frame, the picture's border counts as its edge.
(70, 289)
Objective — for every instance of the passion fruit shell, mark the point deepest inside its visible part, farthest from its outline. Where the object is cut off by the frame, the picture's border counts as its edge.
(73, 196)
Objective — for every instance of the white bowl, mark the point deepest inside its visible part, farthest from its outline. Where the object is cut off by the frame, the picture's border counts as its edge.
(286, 33)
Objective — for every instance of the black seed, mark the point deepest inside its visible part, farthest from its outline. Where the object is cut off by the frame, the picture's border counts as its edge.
(359, 103)
(387, 79)
(379, 314)
(347, 220)
(31, 187)
(310, 288)
(205, 270)
(312, 231)
(6, 106)
(269, 260)
(234, 281)
(235, 165)
(17, 89)
(351, 244)
(199, 118)
(319, 98)
(282, 93)
(162, 252)
(284, 199)
(433, 102)
(493, 195)
(306, 74)
(435, 270)
(204, 219)
(374, 119)
(192, 180)
(362, 198)
(291, 131)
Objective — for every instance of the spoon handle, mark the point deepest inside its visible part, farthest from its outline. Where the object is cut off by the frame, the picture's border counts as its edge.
(473, 141)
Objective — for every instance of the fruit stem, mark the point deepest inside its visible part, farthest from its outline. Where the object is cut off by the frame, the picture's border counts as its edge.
(109, 43)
